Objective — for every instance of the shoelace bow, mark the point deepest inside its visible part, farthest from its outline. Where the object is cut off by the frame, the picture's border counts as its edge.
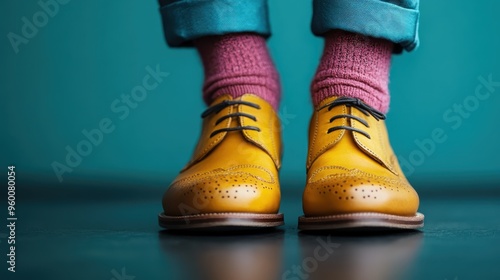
(220, 106)
(358, 104)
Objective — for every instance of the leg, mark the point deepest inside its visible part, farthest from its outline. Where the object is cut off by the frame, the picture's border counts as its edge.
(231, 180)
(237, 64)
(230, 36)
(354, 179)
(359, 39)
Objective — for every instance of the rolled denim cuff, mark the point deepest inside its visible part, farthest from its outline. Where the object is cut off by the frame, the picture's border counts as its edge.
(186, 20)
(375, 18)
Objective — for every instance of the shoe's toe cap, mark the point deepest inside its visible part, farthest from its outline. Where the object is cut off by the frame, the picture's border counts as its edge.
(238, 192)
(355, 191)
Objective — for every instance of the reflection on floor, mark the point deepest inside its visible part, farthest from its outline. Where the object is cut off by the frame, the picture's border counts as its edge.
(118, 238)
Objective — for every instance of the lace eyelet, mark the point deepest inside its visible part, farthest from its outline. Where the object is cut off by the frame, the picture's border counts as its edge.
(215, 109)
(360, 106)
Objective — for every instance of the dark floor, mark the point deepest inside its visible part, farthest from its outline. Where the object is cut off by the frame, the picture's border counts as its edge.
(103, 238)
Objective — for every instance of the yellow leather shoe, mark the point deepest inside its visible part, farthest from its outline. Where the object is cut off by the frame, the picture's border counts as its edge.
(232, 178)
(353, 177)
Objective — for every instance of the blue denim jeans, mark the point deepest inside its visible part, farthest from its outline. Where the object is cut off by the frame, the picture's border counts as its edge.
(394, 20)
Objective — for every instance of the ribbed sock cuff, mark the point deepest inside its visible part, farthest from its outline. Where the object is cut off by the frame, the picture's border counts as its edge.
(356, 66)
(236, 64)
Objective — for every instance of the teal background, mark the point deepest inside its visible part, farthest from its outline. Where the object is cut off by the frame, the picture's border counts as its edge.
(67, 76)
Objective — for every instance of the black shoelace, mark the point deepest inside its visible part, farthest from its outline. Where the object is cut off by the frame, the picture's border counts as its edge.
(358, 104)
(220, 106)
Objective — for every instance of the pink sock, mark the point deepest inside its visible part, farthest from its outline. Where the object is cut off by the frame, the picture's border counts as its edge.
(236, 64)
(355, 66)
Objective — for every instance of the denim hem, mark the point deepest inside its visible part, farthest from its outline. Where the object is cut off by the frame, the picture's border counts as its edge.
(186, 20)
(374, 18)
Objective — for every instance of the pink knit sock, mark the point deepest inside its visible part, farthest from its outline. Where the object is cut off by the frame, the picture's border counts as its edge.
(236, 64)
(354, 66)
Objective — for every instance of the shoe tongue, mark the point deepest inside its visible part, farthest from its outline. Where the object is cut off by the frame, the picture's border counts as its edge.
(377, 146)
(267, 139)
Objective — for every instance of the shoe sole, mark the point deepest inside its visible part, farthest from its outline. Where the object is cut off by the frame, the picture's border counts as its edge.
(361, 221)
(226, 221)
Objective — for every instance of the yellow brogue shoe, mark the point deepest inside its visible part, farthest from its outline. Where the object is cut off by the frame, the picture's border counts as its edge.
(232, 178)
(353, 177)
